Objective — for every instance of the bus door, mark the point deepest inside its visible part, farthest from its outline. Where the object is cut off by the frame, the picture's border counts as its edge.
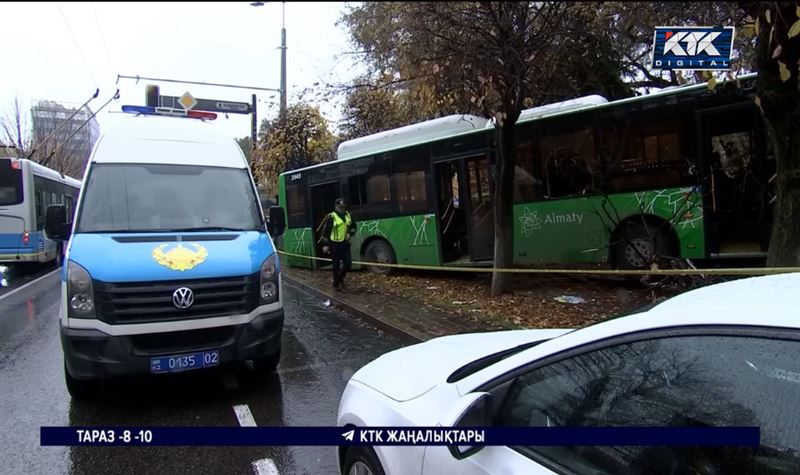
(735, 181)
(481, 217)
(449, 176)
(466, 220)
(322, 198)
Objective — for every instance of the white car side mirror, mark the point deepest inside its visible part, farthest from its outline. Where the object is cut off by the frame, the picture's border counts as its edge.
(472, 410)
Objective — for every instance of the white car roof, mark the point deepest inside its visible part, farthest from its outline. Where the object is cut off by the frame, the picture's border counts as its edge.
(167, 140)
(770, 301)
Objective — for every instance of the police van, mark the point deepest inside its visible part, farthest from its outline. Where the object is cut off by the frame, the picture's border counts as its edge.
(169, 265)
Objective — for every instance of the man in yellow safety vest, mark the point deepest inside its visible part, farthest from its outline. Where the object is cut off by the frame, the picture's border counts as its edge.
(337, 230)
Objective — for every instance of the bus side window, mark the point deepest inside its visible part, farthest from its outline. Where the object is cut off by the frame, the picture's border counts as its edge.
(408, 167)
(39, 209)
(525, 182)
(296, 206)
(378, 195)
(357, 189)
(569, 162)
(68, 205)
(644, 157)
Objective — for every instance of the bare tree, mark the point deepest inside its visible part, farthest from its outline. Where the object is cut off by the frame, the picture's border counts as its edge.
(16, 129)
(55, 142)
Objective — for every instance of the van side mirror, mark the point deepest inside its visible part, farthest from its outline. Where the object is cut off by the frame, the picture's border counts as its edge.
(277, 221)
(55, 224)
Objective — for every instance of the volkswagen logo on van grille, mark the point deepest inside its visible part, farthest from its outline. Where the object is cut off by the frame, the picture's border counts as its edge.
(183, 298)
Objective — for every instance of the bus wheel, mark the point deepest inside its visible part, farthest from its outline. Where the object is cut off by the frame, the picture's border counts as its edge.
(639, 245)
(379, 251)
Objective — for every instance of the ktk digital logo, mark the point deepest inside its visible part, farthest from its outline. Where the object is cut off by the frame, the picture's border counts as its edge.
(698, 48)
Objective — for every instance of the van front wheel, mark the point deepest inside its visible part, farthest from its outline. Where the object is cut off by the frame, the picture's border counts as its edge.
(78, 388)
(267, 365)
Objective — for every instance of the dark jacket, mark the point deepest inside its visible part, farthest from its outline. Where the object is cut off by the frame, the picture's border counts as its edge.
(327, 226)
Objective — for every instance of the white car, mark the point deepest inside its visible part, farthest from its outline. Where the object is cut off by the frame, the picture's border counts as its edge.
(723, 355)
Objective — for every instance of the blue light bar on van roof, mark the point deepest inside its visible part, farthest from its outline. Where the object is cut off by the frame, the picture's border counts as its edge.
(167, 111)
(139, 109)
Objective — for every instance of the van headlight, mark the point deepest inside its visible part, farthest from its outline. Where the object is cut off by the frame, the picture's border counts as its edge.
(80, 295)
(268, 287)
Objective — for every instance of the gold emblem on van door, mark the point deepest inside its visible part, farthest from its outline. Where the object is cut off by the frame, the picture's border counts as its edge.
(180, 258)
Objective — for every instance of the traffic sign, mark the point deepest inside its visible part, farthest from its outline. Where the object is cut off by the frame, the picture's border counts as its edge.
(187, 101)
(226, 106)
(211, 105)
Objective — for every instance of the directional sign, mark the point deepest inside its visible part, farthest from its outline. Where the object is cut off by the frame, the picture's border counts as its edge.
(211, 105)
(242, 107)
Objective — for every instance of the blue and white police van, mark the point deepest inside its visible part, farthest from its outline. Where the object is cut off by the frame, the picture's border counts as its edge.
(169, 264)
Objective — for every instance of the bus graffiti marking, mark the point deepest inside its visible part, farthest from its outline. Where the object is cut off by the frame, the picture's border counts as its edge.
(421, 236)
(684, 206)
(300, 241)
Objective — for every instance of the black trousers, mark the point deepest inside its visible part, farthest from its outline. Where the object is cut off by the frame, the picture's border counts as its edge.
(340, 253)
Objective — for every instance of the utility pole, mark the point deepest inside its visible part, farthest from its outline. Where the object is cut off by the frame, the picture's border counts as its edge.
(282, 113)
(283, 61)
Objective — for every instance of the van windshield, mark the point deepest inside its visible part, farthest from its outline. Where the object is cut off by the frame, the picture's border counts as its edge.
(167, 198)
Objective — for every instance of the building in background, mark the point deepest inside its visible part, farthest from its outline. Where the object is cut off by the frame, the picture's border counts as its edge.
(69, 147)
(8, 151)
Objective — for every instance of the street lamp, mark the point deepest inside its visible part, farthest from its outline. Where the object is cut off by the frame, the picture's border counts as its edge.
(283, 55)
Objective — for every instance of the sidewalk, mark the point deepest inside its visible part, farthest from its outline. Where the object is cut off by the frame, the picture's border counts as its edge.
(405, 316)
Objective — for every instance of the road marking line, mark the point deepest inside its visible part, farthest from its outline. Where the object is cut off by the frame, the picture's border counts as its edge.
(246, 419)
(244, 415)
(28, 284)
(265, 467)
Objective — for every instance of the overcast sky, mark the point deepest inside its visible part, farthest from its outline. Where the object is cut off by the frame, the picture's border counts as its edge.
(229, 42)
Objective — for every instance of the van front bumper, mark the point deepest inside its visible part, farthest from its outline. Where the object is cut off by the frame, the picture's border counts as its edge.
(93, 354)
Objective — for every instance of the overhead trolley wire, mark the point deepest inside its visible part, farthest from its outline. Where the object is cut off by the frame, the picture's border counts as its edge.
(103, 37)
(75, 41)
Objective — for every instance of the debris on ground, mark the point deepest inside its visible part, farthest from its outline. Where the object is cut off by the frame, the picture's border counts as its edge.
(531, 305)
(569, 299)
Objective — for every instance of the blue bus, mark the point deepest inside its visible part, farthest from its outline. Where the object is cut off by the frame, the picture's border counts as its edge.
(26, 190)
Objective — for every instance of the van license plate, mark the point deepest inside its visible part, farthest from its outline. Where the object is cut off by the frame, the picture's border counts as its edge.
(174, 364)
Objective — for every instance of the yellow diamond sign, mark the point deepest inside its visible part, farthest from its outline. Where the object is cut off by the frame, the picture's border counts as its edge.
(187, 101)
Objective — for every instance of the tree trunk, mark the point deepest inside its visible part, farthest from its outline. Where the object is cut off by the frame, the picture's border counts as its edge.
(784, 245)
(780, 105)
(503, 214)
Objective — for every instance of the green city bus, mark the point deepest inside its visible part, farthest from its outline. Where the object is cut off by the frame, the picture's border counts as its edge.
(683, 173)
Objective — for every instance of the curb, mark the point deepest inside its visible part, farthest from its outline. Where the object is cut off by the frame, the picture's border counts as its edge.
(382, 324)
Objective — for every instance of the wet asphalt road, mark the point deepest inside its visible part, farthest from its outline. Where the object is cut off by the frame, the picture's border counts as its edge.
(15, 276)
(322, 347)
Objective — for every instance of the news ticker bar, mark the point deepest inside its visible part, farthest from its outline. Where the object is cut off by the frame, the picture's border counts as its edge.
(362, 436)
